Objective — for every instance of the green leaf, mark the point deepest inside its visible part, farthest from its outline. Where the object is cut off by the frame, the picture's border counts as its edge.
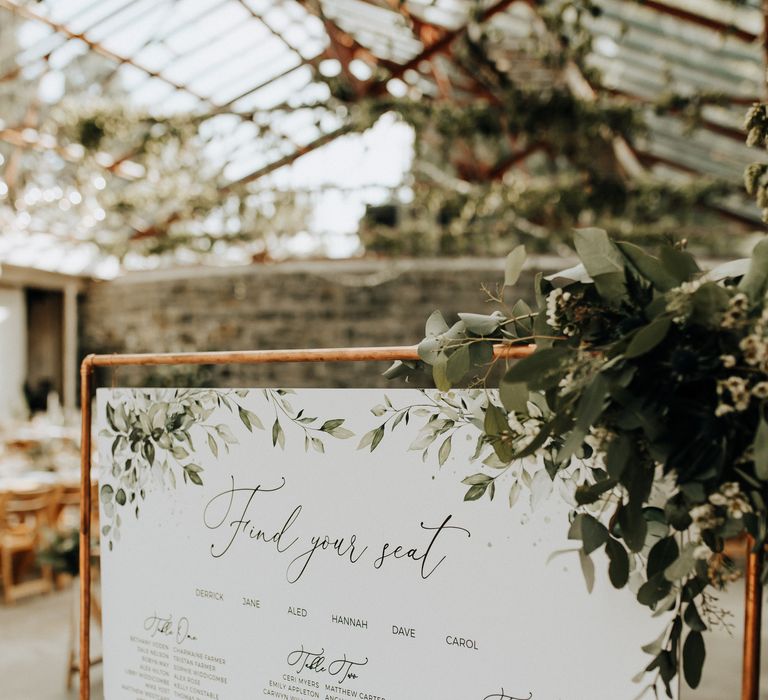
(656, 645)
(677, 512)
(523, 316)
(458, 364)
(513, 266)
(445, 451)
(574, 531)
(118, 444)
(440, 372)
(514, 396)
(678, 264)
(593, 533)
(760, 450)
(226, 434)
(277, 434)
(317, 445)
(495, 422)
(662, 554)
(541, 488)
(120, 497)
(106, 493)
(755, 282)
(478, 479)
(214, 448)
(708, 304)
(633, 527)
(694, 654)
(252, 418)
(475, 492)
(653, 590)
(683, 565)
(481, 324)
(341, 433)
(611, 286)
(436, 324)
(481, 353)
(617, 458)
(693, 619)
(598, 253)
(648, 266)
(329, 425)
(193, 472)
(111, 417)
(588, 569)
(588, 410)
(618, 567)
(179, 452)
(589, 493)
(429, 349)
(648, 337)
(541, 370)
(367, 439)
(244, 418)
(148, 451)
(378, 435)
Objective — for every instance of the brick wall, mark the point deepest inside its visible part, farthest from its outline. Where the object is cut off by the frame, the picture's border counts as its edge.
(287, 305)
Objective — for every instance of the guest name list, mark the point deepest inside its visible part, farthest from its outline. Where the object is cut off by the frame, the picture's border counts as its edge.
(255, 568)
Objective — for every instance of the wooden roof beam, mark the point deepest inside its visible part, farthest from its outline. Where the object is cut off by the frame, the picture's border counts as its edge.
(699, 20)
(653, 159)
(344, 47)
(440, 45)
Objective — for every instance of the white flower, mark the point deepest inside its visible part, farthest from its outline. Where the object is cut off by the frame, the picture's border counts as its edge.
(754, 348)
(739, 301)
(760, 390)
(737, 309)
(722, 409)
(728, 361)
(552, 306)
(690, 287)
(738, 506)
(734, 389)
(718, 499)
(702, 552)
(679, 300)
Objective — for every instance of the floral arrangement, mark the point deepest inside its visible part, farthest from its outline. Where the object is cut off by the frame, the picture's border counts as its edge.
(646, 398)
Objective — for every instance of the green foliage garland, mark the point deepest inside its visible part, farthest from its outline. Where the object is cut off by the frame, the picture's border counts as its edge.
(652, 375)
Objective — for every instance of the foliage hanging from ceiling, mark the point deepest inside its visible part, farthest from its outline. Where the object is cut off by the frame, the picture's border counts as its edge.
(526, 150)
(132, 181)
(515, 142)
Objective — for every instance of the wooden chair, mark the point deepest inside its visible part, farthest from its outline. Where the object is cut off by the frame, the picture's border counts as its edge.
(24, 516)
(66, 501)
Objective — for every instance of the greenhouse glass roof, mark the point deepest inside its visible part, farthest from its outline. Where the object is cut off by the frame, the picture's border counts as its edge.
(249, 66)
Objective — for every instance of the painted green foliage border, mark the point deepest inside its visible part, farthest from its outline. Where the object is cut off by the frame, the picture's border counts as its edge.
(153, 434)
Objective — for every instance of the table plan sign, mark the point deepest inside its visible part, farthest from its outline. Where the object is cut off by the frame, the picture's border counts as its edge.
(316, 544)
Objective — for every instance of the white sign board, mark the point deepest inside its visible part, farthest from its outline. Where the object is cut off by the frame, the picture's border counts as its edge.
(250, 549)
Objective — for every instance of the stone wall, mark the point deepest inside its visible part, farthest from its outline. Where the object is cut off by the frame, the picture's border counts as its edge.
(287, 305)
